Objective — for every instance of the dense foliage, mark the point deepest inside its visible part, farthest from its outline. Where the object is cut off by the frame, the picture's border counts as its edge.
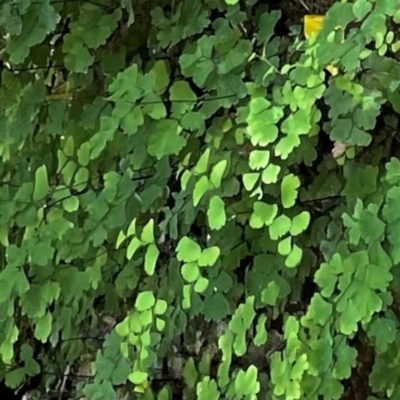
(173, 223)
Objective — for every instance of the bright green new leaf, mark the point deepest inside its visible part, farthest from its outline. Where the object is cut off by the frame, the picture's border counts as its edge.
(148, 232)
(250, 180)
(190, 272)
(261, 332)
(300, 223)
(146, 318)
(123, 328)
(150, 259)
(270, 294)
(185, 179)
(188, 250)
(201, 187)
(259, 105)
(160, 324)
(202, 165)
(279, 227)
(216, 213)
(201, 285)
(132, 228)
(320, 311)
(138, 377)
(285, 246)
(161, 307)
(270, 174)
(289, 186)
(209, 256)
(41, 184)
(186, 298)
(133, 246)
(294, 258)
(286, 145)
(145, 301)
(217, 173)
(259, 159)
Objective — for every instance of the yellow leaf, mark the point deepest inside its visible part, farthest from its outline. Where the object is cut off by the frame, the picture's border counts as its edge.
(312, 24)
(61, 92)
(333, 70)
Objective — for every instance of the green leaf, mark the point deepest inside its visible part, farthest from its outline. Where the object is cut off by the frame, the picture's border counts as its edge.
(190, 373)
(160, 307)
(123, 328)
(217, 173)
(259, 159)
(162, 74)
(41, 184)
(160, 324)
(108, 126)
(261, 332)
(201, 285)
(285, 246)
(361, 8)
(151, 257)
(132, 228)
(300, 223)
(216, 213)
(294, 258)
(188, 250)
(263, 214)
(84, 154)
(215, 307)
(133, 246)
(148, 232)
(15, 377)
(190, 272)
(289, 186)
(250, 180)
(270, 294)
(121, 237)
(320, 311)
(138, 377)
(201, 187)
(145, 301)
(42, 253)
(202, 165)
(393, 171)
(43, 327)
(209, 256)
(181, 91)
(165, 139)
(71, 204)
(270, 174)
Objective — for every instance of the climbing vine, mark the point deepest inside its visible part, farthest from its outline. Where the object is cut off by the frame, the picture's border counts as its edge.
(200, 199)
